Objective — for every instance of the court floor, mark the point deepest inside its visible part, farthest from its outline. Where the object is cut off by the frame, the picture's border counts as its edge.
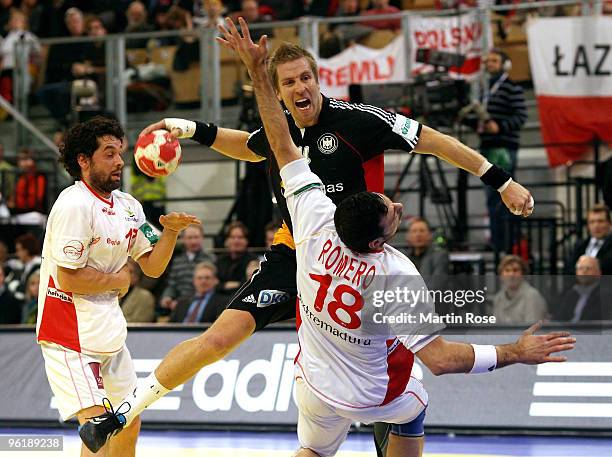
(269, 444)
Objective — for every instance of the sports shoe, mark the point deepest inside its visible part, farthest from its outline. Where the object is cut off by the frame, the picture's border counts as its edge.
(97, 430)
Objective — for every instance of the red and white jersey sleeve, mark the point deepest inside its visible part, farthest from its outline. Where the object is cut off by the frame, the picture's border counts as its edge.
(347, 359)
(86, 230)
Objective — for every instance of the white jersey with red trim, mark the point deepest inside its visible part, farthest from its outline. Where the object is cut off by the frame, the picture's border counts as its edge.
(348, 357)
(86, 230)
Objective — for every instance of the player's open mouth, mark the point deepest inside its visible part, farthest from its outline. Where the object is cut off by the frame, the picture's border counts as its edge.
(116, 174)
(302, 104)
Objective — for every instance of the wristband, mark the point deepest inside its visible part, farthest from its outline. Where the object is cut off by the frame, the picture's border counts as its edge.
(504, 186)
(186, 127)
(205, 134)
(485, 358)
(495, 177)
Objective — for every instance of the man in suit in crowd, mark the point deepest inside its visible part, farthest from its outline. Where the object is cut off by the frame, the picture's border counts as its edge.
(180, 284)
(582, 301)
(599, 242)
(207, 303)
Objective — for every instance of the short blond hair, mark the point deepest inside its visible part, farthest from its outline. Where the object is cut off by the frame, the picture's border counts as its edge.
(288, 52)
(513, 259)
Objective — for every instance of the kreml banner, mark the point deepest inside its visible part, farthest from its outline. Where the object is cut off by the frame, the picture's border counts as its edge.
(254, 385)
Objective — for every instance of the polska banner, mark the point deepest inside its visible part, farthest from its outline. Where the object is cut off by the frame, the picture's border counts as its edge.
(462, 35)
(571, 65)
(359, 64)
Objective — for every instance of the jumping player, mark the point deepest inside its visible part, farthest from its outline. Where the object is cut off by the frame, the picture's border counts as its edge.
(344, 144)
(349, 368)
(91, 231)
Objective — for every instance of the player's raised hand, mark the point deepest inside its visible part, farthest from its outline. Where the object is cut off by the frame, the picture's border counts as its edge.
(533, 349)
(253, 55)
(517, 199)
(178, 221)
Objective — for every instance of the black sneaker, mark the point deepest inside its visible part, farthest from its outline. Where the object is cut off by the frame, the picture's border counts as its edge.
(97, 430)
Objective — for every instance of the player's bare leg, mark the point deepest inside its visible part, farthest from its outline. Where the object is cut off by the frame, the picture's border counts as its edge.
(303, 452)
(122, 445)
(187, 358)
(404, 446)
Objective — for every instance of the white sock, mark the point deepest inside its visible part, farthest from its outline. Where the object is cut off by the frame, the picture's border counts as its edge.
(148, 391)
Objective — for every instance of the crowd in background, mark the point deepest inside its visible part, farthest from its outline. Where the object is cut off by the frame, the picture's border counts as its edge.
(198, 284)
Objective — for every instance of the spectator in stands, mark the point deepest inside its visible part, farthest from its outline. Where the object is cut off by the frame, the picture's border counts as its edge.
(339, 36)
(249, 10)
(206, 304)
(506, 113)
(17, 32)
(214, 14)
(188, 45)
(10, 307)
(31, 187)
(138, 304)
(27, 248)
(180, 284)
(517, 302)
(7, 177)
(231, 267)
(582, 301)
(430, 260)
(599, 242)
(382, 7)
(137, 22)
(64, 62)
(94, 67)
(30, 308)
(34, 10)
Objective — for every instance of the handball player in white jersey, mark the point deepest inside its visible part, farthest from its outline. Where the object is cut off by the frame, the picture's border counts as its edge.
(92, 229)
(350, 366)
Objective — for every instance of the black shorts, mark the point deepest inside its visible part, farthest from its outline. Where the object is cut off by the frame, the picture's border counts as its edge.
(270, 295)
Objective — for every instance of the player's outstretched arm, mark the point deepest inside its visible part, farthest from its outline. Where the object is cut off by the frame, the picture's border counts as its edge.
(443, 357)
(89, 281)
(154, 262)
(229, 142)
(254, 57)
(516, 197)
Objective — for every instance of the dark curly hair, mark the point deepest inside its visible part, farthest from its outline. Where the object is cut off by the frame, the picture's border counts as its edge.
(358, 220)
(83, 139)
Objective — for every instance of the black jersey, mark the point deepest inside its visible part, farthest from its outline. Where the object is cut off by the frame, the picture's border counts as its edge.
(345, 148)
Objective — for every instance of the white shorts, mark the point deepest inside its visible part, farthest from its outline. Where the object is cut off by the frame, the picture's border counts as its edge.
(322, 427)
(80, 381)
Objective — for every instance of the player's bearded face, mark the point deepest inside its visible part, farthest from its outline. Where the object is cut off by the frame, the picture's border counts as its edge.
(299, 89)
(106, 165)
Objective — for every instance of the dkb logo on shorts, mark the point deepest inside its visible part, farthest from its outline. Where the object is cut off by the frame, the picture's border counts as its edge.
(271, 297)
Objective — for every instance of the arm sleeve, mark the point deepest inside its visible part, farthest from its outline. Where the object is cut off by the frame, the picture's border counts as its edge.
(258, 143)
(386, 130)
(146, 236)
(310, 209)
(72, 234)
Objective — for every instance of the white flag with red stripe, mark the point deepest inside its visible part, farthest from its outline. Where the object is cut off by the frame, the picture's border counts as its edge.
(462, 34)
(571, 64)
